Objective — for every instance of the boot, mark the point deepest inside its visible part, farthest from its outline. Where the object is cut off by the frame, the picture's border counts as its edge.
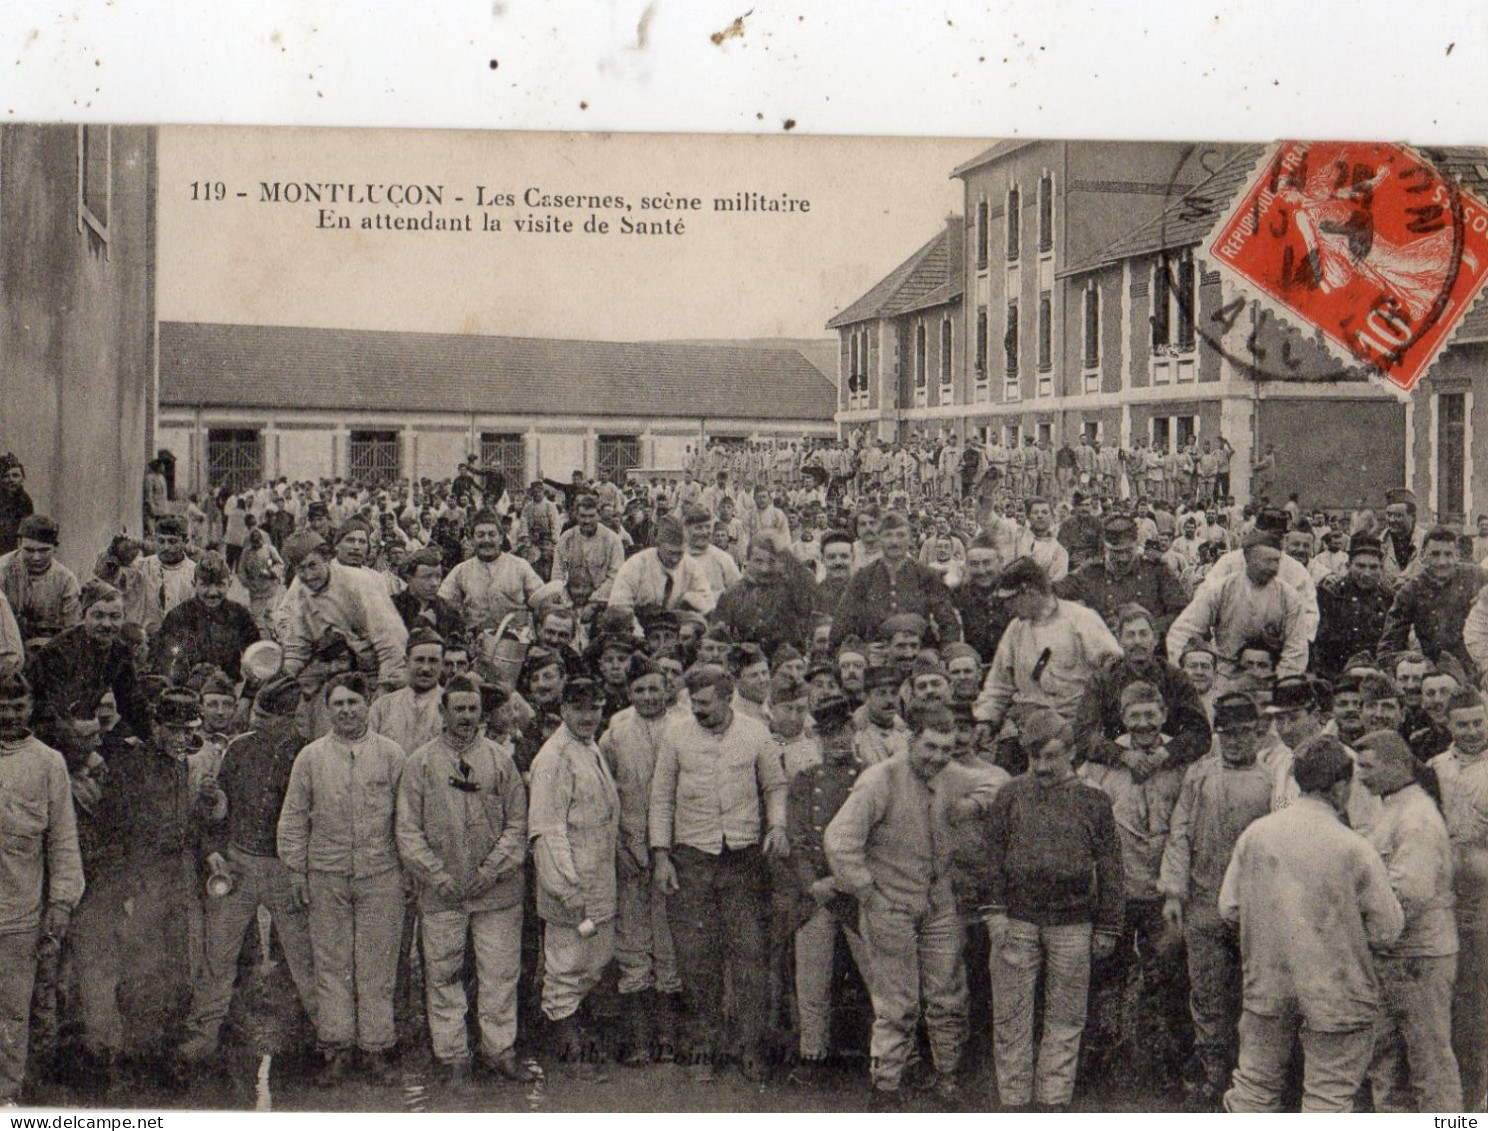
(639, 1026)
(382, 1068)
(506, 1066)
(569, 1041)
(668, 1012)
(337, 1068)
(947, 1088)
(457, 1075)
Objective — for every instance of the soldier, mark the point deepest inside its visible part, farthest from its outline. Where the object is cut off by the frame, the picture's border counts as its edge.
(717, 816)
(462, 831)
(131, 932)
(643, 935)
(1352, 607)
(1123, 575)
(1312, 902)
(253, 778)
(889, 847)
(43, 878)
(574, 825)
(1052, 887)
(822, 909)
(1218, 799)
(336, 838)
(1413, 1044)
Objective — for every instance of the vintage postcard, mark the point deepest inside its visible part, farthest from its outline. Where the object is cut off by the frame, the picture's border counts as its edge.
(648, 622)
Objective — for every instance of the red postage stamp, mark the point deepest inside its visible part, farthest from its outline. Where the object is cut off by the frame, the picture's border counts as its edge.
(1369, 243)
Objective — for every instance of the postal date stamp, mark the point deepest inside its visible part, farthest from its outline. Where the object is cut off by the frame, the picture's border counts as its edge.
(1369, 243)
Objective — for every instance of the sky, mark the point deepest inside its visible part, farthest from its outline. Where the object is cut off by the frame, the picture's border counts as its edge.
(873, 202)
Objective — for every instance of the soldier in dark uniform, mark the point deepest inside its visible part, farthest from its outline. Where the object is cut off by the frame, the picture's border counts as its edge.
(1351, 609)
(1080, 534)
(984, 617)
(821, 910)
(1125, 576)
(609, 660)
(541, 685)
(130, 935)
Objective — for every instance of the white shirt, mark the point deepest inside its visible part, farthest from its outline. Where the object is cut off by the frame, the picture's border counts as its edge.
(485, 592)
(643, 580)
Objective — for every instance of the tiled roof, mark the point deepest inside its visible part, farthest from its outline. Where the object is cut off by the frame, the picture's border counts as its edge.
(240, 366)
(1468, 166)
(1000, 150)
(1188, 219)
(931, 276)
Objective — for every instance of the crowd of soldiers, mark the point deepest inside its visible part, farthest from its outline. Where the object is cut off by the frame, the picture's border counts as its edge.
(1118, 789)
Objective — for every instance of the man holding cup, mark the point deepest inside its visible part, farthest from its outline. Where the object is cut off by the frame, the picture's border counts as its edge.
(573, 824)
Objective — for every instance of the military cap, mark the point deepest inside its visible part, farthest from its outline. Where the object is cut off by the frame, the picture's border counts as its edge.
(1298, 693)
(660, 619)
(820, 666)
(785, 654)
(1273, 519)
(212, 569)
(1119, 530)
(926, 664)
(1235, 709)
(903, 622)
(297, 549)
(421, 636)
(279, 695)
(583, 692)
(218, 684)
(832, 713)
(1042, 726)
(178, 706)
(351, 526)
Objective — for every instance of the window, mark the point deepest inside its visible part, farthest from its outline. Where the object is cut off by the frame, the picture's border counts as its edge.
(1173, 430)
(857, 369)
(1092, 327)
(1014, 216)
(374, 457)
(1161, 286)
(1046, 212)
(1173, 302)
(614, 456)
(921, 358)
(1010, 435)
(1451, 457)
(1046, 433)
(1045, 332)
(851, 368)
(234, 458)
(1010, 341)
(1160, 433)
(505, 452)
(95, 164)
(1090, 360)
(1092, 430)
(1183, 292)
(946, 336)
(981, 344)
(981, 234)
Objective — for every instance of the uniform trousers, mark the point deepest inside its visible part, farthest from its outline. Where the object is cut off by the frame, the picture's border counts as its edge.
(355, 928)
(496, 939)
